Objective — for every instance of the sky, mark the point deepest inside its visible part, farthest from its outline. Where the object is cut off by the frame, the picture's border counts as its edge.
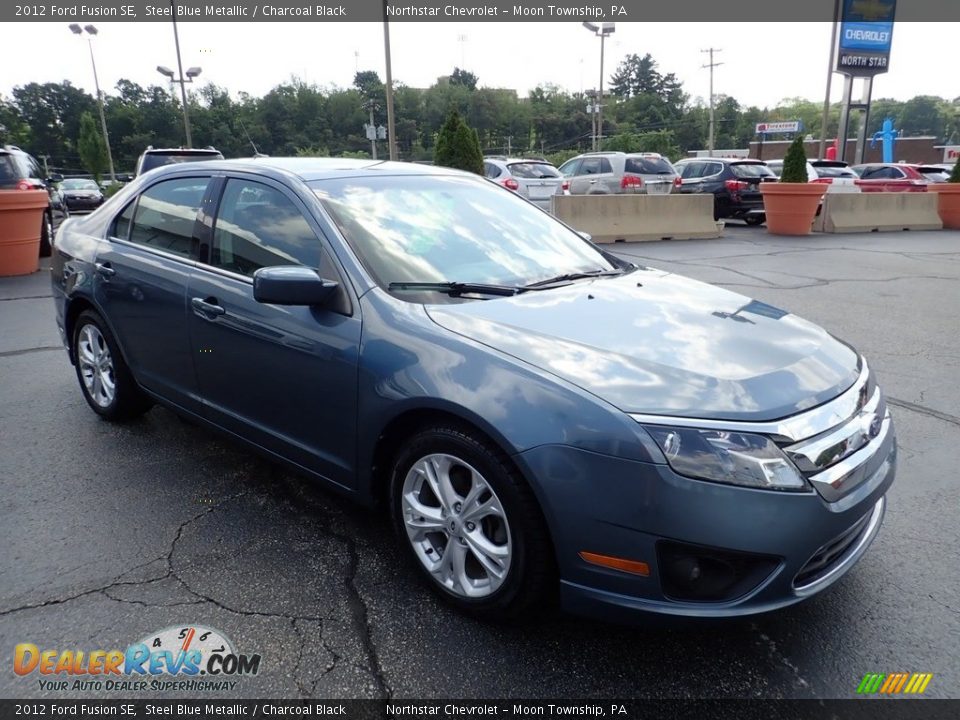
(763, 63)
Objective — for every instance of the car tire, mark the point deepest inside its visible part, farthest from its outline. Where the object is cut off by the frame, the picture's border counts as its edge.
(754, 220)
(105, 380)
(46, 235)
(501, 564)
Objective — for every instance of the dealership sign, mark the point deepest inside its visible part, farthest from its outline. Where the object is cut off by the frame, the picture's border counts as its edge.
(951, 153)
(865, 37)
(770, 128)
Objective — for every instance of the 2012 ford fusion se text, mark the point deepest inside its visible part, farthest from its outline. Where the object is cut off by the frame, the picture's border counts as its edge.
(540, 416)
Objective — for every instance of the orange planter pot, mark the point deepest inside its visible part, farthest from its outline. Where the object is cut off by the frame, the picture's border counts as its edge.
(948, 203)
(791, 207)
(21, 218)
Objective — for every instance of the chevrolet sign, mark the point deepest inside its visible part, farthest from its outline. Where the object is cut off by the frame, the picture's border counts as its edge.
(866, 34)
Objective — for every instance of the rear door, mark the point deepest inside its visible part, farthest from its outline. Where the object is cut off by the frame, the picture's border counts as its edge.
(284, 377)
(593, 177)
(141, 276)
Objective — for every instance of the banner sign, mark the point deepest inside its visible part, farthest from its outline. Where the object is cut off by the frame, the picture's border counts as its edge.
(770, 128)
(865, 37)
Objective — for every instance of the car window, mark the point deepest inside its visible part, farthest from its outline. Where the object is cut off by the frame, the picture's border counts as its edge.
(591, 166)
(648, 166)
(258, 226)
(490, 170)
(691, 169)
(9, 175)
(832, 171)
(934, 174)
(880, 173)
(451, 229)
(533, 170)
(712, 169)
(78, 184)
(166, 213)
(121, 224)
(750, 170)
(570, 167)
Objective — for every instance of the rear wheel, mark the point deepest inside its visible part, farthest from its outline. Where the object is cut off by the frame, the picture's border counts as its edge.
(754, 219)
(471, 524)
(106, 382)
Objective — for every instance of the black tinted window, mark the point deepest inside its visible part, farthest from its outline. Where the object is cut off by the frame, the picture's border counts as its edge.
(166, 214)
(750, 170)
(830, 171)
(155, 160)
(121, 225)
(491, 170)
(533, 171)
(257, 227)
(648, 166)
(8, 171)
(570, 167)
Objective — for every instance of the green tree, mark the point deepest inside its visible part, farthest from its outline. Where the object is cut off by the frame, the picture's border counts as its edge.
(458, 146)
(92, 148)
(465, 78)
(795, 163)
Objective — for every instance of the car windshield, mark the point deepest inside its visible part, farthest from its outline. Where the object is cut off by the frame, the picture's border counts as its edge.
(934, 174)
(155, 160)
(751, 170)
(79, 185)
(417, 229)
(533, 170)
(648, 166)
(833, 171)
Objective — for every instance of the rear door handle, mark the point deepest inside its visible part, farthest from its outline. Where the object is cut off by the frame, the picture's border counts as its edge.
(207, 307)
(104, 270)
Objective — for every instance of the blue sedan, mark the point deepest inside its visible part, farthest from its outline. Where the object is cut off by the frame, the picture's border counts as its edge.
(542, 418)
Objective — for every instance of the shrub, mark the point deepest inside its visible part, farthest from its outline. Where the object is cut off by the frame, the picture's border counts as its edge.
(795, 163)
(955, 174)
(458, 146)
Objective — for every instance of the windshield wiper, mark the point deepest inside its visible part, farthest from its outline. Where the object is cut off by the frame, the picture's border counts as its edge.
(568, 277)
(458, 288)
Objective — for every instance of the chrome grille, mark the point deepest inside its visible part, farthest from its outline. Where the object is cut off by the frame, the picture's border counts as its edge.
(827, 557)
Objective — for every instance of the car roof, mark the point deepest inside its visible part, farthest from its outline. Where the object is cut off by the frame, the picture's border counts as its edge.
(751, 161)
(307, 168)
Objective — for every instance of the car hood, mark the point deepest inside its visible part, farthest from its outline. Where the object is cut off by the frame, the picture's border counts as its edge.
(654, 342)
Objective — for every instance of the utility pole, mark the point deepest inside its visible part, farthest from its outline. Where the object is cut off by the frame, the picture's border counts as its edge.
(391, 127)
(711, 65)
(509, 145)
(183, 87)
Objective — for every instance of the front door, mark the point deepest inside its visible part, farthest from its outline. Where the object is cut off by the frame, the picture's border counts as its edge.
(284, 377)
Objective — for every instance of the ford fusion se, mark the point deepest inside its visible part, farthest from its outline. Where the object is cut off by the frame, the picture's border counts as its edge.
(538, 414)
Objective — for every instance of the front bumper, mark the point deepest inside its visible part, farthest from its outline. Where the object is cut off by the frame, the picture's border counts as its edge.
(625, 509)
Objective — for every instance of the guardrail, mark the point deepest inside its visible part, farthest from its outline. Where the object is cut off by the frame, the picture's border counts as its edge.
(638, 218)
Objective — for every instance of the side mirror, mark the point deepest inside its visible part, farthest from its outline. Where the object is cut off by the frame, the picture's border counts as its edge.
(292, 285)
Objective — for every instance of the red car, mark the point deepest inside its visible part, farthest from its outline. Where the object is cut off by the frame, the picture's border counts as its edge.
(897, 177)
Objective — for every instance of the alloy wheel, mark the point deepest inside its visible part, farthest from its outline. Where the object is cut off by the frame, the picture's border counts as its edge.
(96, 366)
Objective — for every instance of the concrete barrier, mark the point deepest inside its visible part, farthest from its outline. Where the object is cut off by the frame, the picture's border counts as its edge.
(636, 218)
(878, 211)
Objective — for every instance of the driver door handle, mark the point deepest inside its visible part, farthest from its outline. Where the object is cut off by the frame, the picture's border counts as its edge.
(104, 270)
(207, 306)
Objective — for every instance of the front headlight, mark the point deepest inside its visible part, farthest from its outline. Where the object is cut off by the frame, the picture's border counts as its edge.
(728, 457)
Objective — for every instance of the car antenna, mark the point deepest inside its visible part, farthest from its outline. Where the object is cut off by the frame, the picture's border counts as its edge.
(256, 151)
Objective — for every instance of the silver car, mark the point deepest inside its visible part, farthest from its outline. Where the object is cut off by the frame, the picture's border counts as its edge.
(535, 179)
(604, 173)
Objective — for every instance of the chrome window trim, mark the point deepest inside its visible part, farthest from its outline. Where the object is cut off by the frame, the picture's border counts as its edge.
(794, 428)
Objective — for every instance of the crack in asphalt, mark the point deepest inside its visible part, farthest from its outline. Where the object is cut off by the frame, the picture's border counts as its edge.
(27, 351)
(777, 655)
(922, 410)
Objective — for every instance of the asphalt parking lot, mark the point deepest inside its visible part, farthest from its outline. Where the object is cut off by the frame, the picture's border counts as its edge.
(109, 533)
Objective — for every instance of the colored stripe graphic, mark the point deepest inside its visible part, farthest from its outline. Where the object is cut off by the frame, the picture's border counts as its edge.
(894, 683)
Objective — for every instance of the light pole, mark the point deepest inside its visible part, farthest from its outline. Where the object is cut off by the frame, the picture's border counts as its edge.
(192, 72)
(592, 107)
(91, 30)
(391, 127)
(601, 30)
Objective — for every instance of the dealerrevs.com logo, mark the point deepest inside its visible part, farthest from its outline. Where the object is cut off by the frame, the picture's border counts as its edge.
(178, 658)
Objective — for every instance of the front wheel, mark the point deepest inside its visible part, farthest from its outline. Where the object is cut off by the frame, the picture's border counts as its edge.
(106, 382)
(754, 219)
(471, 524)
